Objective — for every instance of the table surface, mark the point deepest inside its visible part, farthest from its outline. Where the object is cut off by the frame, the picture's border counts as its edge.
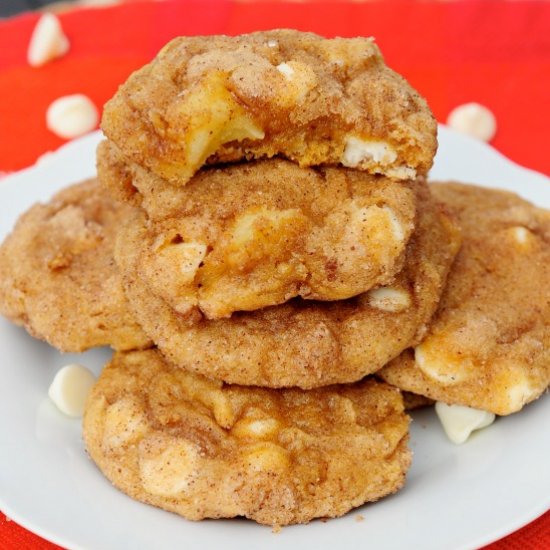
(494, 52)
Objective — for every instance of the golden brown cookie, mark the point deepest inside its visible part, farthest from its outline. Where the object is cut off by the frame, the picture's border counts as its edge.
(257, 234)
(212, 99)
(203, 449)
(58, 277)
(489, 345)
(303, 343)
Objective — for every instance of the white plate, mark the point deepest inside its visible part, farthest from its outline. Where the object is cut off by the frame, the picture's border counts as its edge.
(455, 497)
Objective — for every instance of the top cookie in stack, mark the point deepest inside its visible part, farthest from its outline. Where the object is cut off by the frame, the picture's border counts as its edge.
(217, 99)
(285, 235)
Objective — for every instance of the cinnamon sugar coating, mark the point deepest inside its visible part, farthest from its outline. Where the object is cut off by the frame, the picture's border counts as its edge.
(203, 449)
(302, 343)
(489, 344)
(58, 277)
(316, 101)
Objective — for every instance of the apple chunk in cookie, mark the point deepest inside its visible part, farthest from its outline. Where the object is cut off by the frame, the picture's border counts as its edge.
(315, 101)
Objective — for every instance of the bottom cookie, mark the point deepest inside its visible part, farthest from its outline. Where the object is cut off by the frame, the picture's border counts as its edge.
(203, 449)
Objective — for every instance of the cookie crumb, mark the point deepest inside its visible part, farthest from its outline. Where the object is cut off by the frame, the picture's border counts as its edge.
(359, 518)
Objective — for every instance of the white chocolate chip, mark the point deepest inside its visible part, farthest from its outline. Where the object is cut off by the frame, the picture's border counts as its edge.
(358, 150)
(125, 424)
(389, 299)
(258, 428)
(47, 42)
(72, 116)
(401, 173)
(459, 422)
(286, 70)
(69, 389)
(167, 465)
(272, 43)
(473, 119)
(398, 232)
(45, 157)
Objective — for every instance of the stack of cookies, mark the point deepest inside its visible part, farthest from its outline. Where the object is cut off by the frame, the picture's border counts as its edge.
(274, 243)
(284, 236)
(284, 241)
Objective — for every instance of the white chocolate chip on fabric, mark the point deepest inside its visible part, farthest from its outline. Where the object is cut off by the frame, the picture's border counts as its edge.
(48, 41)
(72, 116)
(475, 120)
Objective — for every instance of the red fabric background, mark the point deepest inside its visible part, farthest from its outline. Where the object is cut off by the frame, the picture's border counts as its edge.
(496, 53)
(493, 52)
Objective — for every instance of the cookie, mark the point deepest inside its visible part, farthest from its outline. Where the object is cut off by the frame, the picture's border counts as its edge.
(203, 449)
(303, 343)
(489, 345)
(215, 99)
(413, 401)
(257, 234)
(58, 277)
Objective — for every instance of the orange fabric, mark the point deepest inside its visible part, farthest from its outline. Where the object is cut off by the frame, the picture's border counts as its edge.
(493, 52)
(15, 537)
(535, 536)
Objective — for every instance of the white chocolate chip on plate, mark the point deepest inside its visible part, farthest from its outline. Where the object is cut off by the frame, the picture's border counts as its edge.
(47, 42)
(459, 422)
(72, 116)
(69, 389)
(473, 119)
